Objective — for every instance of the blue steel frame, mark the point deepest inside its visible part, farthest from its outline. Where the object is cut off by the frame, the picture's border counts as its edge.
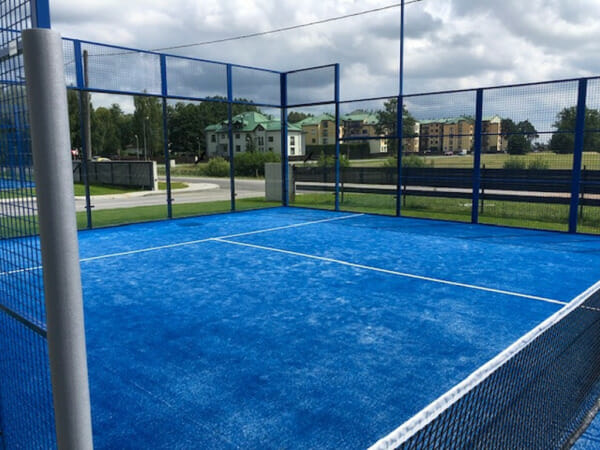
(477, 155)
(578, 154)
(40, 14)
(284, 108)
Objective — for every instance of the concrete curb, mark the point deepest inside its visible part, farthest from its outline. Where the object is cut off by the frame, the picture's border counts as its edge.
(192, 187)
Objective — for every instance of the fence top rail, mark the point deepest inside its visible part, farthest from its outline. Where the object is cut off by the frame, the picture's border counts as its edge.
(126, 50)
(306, 69)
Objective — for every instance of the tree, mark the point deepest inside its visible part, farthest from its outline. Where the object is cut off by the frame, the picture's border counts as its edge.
(147, 124)
(519, 136)
(295, 116)
(74, 118)
(564, 140)
(388, 120)
(187, 121)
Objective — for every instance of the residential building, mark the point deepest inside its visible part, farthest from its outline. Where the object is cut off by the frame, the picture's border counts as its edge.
(253, 131)
(455, 135)
(318, 130)
(361, 123)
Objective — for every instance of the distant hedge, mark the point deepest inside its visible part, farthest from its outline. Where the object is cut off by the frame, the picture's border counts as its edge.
(351, 151)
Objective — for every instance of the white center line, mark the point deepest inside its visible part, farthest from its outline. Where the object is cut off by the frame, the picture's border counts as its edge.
(393, 272)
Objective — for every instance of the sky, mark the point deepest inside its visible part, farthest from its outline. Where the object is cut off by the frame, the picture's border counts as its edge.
(450, 44)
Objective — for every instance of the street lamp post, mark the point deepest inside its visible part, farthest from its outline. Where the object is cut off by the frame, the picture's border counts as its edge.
(145, 142)
(137, 146)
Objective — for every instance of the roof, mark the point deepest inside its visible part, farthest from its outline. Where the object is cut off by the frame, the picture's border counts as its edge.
(249, 122)
(452, 120)
(315, 120)
(360, 115)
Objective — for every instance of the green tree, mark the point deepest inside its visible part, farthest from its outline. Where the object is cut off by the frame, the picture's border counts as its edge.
(147, 124)
(187, 121)
(519, 136)
(105, 133)
(295, 116)
(564, 140)
(388, 120)
(74, 118)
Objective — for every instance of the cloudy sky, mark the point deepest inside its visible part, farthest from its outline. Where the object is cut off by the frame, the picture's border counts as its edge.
(450, 44)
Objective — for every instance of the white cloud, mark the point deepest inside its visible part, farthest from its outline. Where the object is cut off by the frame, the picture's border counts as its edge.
(450, 44)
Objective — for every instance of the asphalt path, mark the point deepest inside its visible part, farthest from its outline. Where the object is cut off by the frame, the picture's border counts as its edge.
(201, 189)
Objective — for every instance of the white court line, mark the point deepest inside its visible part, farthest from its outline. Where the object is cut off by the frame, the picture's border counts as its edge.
(199, 241)
(393, 272)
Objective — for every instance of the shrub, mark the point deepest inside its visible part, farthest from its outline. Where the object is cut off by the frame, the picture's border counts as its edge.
(217, 167)
(514, 163)
(538, 163)
(329, 161)
(252, 164)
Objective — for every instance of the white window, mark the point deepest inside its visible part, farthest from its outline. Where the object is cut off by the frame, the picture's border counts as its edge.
(270, 138)
(292, 151)
(260, 140)
(292, 140)
(238, 148)
(213, 138)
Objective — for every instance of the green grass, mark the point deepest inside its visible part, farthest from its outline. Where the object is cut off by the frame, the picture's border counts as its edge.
(162, 186)
(496, 161)
(108, 217)
(98, 189)
(528, 215)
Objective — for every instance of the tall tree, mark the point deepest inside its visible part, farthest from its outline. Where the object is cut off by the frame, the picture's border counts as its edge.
(564, 140)
(387, 123)
(519, 136)
(74, 118)
(187, 122)
(297, 116)
(147, 124)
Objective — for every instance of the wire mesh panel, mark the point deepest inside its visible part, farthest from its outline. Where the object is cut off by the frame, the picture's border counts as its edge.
(437, 163)
(191, 78)
(26, 414)
(527, 155)
(311, 86)
(262, 87)
(120, 70)
(313, 155)
(589, 197)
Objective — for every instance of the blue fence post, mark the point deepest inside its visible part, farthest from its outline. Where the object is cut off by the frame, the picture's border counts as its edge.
(230, 134)
(40, 14)
(337, 135)
(80, 80)
(578, 154)
(284, 142)
(400, 116)
(477, 156)
(165, 93)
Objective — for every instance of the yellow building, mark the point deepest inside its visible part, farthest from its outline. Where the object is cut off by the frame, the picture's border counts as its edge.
(318, 130)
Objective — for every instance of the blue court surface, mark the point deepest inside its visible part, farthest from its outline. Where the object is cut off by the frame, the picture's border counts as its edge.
(295, 328)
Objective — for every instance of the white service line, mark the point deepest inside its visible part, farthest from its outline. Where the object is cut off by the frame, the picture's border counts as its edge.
(198, 241)
(393, 272)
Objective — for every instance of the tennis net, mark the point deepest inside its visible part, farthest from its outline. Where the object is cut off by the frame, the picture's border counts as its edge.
(538, 393)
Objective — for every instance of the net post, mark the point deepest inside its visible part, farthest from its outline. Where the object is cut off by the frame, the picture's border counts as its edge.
(477, 156)
(47, 97)
(164, 93)
(337, 136)
(577, 154)
(284, 142)
(230, 134)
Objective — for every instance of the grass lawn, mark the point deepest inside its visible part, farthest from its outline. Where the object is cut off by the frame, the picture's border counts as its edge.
(97, 189)
(591, 160)
(108, 217)
(529, 215)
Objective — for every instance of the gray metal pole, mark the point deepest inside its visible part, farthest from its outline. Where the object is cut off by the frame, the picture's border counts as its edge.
(46, 92)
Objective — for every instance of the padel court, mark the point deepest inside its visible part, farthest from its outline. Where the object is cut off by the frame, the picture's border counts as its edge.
(297, 328)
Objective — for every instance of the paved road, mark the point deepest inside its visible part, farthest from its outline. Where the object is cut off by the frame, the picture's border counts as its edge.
(200, 190)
